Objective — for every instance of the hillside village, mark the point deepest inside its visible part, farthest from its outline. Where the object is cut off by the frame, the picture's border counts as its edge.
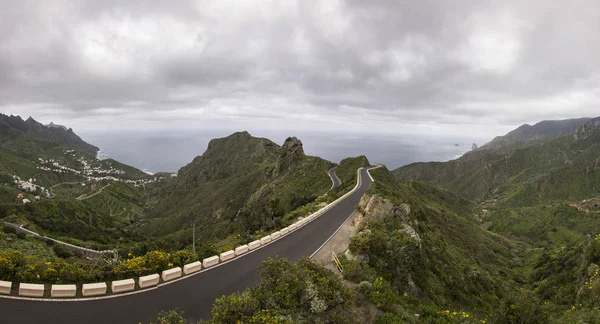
(90, 172)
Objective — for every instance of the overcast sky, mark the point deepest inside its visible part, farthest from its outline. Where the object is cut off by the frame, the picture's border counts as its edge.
(393, 67)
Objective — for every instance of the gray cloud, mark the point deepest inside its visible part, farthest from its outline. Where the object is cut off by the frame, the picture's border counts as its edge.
(370, 66)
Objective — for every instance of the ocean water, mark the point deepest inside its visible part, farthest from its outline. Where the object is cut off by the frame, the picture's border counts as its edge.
(168, 151)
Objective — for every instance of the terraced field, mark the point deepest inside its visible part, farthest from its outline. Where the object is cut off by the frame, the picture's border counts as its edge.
(122, 202)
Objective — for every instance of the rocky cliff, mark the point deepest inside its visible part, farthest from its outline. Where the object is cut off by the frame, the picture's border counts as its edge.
(290, 154)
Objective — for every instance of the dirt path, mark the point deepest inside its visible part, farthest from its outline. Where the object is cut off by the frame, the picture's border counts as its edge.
(84, 197)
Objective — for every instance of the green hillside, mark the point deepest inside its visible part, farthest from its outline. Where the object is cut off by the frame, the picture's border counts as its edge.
(564, 168)
(545, 195)
(242, 185)
(430, 249)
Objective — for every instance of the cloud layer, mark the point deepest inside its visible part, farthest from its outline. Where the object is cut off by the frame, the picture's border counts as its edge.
(403, 68)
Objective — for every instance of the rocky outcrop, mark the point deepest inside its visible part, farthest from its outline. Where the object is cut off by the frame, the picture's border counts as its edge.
(586, 130)
(290, 154)
(375, 207)
(597, 166)
(403, 211)
(378, 207)
(474, 146)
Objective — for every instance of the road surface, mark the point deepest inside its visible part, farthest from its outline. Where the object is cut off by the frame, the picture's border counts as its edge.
(334, 179)
(193, 295)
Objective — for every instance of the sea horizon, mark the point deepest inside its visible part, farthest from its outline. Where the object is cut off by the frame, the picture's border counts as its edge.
(168, 152)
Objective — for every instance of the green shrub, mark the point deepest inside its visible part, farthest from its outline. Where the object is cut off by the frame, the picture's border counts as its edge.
(234, 308)
(183, 257)
(157, 260)
(61, 251)
(390, 318)
(382, 294)
(286, 292)
(171, 317)
(356, 271)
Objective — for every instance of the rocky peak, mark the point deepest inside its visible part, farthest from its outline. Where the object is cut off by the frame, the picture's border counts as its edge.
(53, 125)
(290, 153)
(228, 156)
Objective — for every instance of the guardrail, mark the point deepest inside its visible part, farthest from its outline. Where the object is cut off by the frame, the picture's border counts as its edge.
(126, 287)
(337, 262)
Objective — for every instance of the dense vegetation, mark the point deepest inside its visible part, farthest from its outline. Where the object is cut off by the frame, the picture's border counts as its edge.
(426, 244)
(543, 195)
(29, 259)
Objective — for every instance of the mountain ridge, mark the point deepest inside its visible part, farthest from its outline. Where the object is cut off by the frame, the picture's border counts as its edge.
(478, 174)
(11, 126)
(524, 134)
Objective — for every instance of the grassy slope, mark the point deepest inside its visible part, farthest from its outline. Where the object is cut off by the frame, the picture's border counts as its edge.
(460, 265)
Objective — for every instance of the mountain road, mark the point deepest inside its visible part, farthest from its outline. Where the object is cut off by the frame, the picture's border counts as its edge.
(193, 294)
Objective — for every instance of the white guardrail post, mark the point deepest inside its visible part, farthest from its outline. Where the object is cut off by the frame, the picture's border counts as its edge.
(192, 267)
(94, 289)
(63, 291)
(120, 286)
(5, 287)
(170, 274)
(31, 290)
(149, 281)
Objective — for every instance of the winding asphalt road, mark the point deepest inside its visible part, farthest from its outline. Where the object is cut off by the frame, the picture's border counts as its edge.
(195, 294)
(334, 179)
